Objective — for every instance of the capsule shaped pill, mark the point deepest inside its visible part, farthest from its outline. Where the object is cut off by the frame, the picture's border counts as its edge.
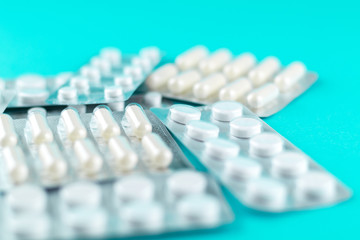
(138, 121)
(263, 96)
(8, 136)
(89, 159)
(53, 164)
(16, 168)
(209, 86)
(239, 66)
(73, 125)
(107, 127)
(184, 81)
(159, 155)
(236, 90)
(124, 157)
(40, 130)
(160, 76)
(290, 75)
(264, 71)
(215, 62)
(191, 57)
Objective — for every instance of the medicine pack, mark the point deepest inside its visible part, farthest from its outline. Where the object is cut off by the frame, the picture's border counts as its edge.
(259, 166)
(265, 87)
(5, 96)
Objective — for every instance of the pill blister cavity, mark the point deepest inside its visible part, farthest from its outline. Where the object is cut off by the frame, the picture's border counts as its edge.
(266, 144)
(159, 155)
(201, 130)
(183, 113)
(244, 127)
(226, 111)
(186, 182)
(137, 120)
(289, 164)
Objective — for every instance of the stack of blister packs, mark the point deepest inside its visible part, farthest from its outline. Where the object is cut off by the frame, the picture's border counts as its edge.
(82, 156)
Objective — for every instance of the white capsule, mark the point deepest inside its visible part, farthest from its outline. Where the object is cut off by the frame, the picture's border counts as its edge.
(215, 62)
(186, 182)
(236, 90)
(201, 130)
(123, 80)
(290, 75)
(32, 96)
(160, 76)
(67, 94)
(104, 65)
(134, 188)
(80, 83)
(53, 164)
(151, 53)
(112, 93)
(264, 71)
(289, 164)
(262, 96)
(242, 169)
(8, 136)
(153, 99)
(107, 127)
(184, 113)
(226, 111)
(134, 71)
(245, 127)
(221, 148)
(74, 127)
(239, 66)
(81, 194)
(209, 86)
(266, 144)
(138, 121)
(191, 57)
(125, 158)
(89, 159)
(14, 160)
(184, 81)
(159, 155)
(30, 81)
(111, 54)
(91, 73)
(40, 130)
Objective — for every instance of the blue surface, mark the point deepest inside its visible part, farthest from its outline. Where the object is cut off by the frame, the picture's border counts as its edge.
(324, 122)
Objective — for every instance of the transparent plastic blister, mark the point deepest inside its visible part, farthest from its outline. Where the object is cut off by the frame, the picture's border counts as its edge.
(265, 87)
(5, 98)
(259, 166)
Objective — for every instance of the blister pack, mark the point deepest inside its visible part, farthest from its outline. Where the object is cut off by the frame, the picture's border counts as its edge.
(5, 96)
(265, 88)
(259, 166)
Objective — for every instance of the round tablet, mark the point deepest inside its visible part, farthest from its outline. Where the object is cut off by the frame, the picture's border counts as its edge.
(80, 83)
(201, 209)
(226, 111)
(32, 96)
(245, 127)
(123, 80)
(184, 113)
(186, 182)
(144, 63)
(153, 99)
(67, 94)
(135, 71)
(113, 55)
(221, 148)
(242, 169)
(86, 221)
(289, 164)
(30, 81)
(81, 195)
(134, 188)
(266, 144)
(90, 72)
(62, 78)
(104, 65)
(113, 92)
(151, 53)
(27, 199)
(201, 130)
(34, 226)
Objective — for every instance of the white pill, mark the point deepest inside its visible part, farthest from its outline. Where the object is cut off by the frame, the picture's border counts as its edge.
(134, 188)
(239, 66)
(27, 199)
(53, 164)
(123, 80)
(86, 222)
(107, 127)
(184, 113)
(161, 76)
(138, 121)
(125, 158)
(236, 90)
(81, 194)
(104, 65)
(289, 164)
(89, 159)
(30, 81)
(159, 155)
(40, 130)
(264, 71)
(242, 169)
(113, 93)
(226, 111)
(209, 86)
(199, 209)
(135, 71)
(74, 127)
(144, 63)
(262, 96)
(67, 94)
(245, 127)
(14, 160)
(151, 53)
(8, 136)
(31, 226)
(184, 81)
(215, 62)
(290, 75)
(191, 57)
(111, 54)
(32, 96)
(266, 193)
(221, 148)
(186, 182)
(266, 144)
(153, 99)
(62, 78)
(201, 130)
(80, 83)
(91, 73)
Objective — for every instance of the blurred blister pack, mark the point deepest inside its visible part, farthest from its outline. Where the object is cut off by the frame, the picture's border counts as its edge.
(259, 166)
(5, 96)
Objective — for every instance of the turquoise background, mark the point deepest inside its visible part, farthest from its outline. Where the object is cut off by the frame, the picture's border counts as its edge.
(51, 37)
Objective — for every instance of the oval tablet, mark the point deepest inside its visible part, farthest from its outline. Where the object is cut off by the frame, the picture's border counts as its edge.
(183, 113)
(134, 188)
(201, 130)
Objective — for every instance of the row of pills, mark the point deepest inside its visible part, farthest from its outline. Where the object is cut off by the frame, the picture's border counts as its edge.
(264, 170)
(131, 206)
